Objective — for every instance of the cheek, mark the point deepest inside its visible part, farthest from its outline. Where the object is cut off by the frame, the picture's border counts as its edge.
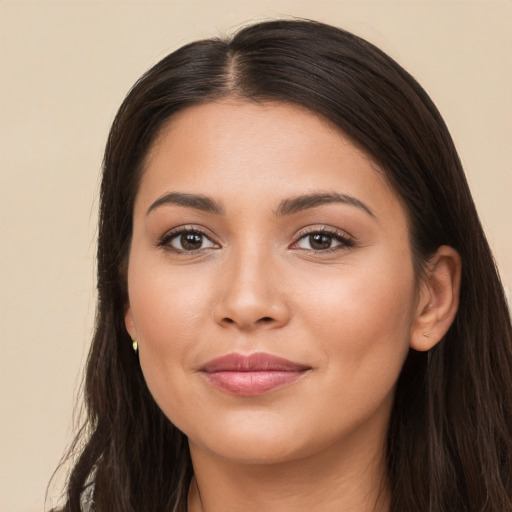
(169, 309)
(166, 303)
(379, 298)
(362, 320)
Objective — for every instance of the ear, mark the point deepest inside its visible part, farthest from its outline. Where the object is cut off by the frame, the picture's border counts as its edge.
(129, 322)
(438, 298)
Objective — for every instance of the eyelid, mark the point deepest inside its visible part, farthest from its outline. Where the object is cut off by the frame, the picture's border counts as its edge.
(164, 241)
(346, 240)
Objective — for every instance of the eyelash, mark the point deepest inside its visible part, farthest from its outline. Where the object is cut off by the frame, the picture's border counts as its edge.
(345, 241)
(165, 241)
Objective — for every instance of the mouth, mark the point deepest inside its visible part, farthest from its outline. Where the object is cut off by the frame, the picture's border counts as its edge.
(251, 375)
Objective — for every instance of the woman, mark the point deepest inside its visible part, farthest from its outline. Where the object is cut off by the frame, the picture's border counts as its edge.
(298, 309)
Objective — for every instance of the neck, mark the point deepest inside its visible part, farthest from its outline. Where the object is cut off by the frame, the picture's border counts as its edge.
(349, 477)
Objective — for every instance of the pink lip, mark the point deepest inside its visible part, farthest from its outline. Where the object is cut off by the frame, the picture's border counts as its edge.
(251, 375)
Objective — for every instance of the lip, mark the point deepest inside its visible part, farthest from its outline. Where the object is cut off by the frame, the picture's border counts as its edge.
(251, 375)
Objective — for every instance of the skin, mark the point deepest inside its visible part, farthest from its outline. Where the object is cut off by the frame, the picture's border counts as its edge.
(349, 310)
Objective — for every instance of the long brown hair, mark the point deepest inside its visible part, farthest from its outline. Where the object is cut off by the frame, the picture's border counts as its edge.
(450, 435)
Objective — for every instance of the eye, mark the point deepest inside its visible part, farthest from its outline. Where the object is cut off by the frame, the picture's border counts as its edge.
(323, 240)
(187, 240)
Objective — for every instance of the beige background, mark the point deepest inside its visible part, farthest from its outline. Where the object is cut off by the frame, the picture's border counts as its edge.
(65, 67)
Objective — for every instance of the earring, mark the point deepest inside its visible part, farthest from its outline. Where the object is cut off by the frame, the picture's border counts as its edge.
(135, 346)
(427, 334)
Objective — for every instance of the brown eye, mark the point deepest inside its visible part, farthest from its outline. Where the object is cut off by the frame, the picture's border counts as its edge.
(323, 241)
(188, 241)
(320, 241)
(191, 241)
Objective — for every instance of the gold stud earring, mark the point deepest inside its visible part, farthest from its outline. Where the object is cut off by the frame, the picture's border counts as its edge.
(135, 346)
(427, 334)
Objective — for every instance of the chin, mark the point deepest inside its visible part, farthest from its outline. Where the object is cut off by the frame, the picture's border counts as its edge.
(256, 449)
(260, 439)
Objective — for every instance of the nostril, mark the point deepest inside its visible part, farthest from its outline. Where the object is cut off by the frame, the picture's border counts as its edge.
(241, 323)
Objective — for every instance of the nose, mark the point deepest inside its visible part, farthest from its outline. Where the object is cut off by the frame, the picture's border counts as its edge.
(251, 295)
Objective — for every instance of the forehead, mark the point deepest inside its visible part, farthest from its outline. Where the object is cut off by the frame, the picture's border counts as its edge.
(230, 149)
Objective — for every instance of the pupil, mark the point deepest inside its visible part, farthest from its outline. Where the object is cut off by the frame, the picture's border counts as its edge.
(319, 241)
(191, 241)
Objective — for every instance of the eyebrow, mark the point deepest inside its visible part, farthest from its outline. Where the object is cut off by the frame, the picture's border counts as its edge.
(286, 207)
(300, 203)
(195, 201)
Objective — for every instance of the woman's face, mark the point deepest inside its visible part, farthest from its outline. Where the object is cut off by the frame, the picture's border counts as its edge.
(271, 285)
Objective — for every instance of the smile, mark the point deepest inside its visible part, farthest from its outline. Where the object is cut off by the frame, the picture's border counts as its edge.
(251, 375)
